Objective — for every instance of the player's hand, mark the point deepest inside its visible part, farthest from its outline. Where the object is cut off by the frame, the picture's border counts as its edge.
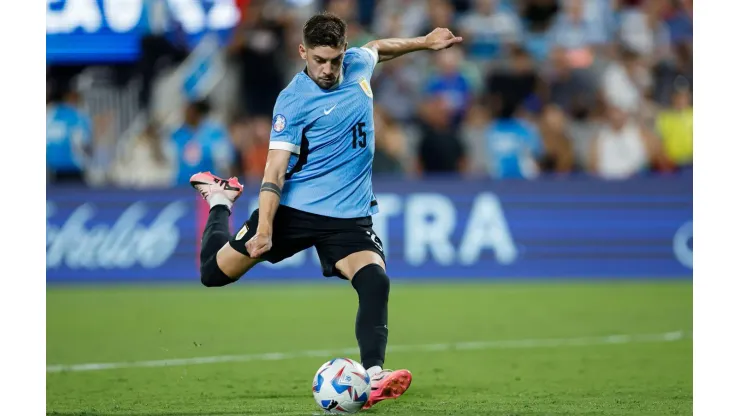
(258, 245)
(441, 38)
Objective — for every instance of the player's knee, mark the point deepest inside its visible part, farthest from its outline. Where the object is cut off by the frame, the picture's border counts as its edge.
(206, 280)
(211, 275)
(373, 280)
(205, 277)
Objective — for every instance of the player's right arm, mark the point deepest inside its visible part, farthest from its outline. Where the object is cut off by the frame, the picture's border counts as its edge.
(269, 200)
(285, 141)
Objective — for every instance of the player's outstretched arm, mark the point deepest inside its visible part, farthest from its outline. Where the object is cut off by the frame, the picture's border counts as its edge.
(439, 38)
(269, 200)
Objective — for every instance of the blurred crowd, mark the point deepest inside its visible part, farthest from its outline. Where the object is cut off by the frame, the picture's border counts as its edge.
(538, 87)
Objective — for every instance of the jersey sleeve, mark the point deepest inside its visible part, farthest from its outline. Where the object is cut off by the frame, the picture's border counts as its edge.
(365, 58)
(287, 123)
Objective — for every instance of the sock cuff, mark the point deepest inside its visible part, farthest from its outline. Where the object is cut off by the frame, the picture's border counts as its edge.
(220, 200)
(372, 371)
(219, 207)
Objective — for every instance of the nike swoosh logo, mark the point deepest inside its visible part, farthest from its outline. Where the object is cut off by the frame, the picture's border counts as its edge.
(326, 112)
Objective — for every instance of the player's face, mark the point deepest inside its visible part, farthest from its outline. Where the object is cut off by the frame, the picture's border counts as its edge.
(324, 64)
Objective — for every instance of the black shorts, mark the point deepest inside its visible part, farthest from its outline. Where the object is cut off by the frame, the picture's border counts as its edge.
(294, 231)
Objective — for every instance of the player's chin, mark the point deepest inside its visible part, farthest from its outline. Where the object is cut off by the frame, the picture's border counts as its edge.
(324, 83)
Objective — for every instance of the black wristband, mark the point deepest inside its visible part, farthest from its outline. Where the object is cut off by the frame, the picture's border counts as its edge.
(271, 187)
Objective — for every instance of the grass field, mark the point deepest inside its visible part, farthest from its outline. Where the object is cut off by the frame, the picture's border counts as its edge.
(646, 373)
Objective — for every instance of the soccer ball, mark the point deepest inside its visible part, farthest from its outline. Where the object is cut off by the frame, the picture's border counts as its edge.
(341, 386)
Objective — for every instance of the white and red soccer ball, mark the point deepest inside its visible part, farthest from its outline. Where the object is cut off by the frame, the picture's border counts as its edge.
(341, 386)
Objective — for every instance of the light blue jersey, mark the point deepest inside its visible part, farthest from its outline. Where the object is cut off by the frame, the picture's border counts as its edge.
(331, 134)
(68, 131)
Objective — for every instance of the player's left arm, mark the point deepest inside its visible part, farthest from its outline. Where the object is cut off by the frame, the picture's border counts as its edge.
(387, 49)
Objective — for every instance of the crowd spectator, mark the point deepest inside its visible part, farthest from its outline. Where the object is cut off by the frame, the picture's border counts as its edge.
(259, 47)
(508, 88)
(679, 21)
(558, 146)
(623, 147)
(255, 146)
(678, 73)
(396, 87)
(644, 31)
(201, 144)
(537, 17)
(491, 29)
(69, 137)
(440, 13)
(626, 81)
(514, 146)
(581, 35)
(676, 127)
(449, 83)
(145, 161)
(440, 149)
(390, 146)
(473, 129)
(571, 89)
(400, 18)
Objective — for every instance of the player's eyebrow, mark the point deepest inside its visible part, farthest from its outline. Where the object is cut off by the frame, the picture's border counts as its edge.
(329, 59)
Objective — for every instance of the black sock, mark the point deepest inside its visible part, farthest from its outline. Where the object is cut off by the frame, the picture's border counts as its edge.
(215, 235)
(371, 328)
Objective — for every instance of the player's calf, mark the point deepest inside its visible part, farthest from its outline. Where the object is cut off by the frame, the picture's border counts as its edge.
(220, 195)
(371, 326)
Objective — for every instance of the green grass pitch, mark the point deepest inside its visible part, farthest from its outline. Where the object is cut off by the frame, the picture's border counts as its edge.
(129, 324)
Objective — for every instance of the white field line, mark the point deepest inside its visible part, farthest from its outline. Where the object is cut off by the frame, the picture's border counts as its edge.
(466, 346)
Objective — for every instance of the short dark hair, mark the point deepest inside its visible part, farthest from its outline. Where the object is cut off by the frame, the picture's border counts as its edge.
(325, 29)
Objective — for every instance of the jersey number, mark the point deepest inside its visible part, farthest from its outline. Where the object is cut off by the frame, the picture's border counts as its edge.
(357, 131)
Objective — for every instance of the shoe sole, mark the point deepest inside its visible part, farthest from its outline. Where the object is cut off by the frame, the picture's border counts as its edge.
(393, 388)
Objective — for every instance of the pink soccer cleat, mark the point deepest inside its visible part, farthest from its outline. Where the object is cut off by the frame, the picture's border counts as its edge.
(215, 189)
(388, 384)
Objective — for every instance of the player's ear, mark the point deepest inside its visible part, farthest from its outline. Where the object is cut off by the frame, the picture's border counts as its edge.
(345, 46)
(302, 51)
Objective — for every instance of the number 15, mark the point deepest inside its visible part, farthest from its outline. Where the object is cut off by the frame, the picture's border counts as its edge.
(357, 131)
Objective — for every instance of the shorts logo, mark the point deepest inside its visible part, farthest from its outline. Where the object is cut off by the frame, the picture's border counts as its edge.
(374, 238)
(242, 232)
(278, 123)
(366, 87)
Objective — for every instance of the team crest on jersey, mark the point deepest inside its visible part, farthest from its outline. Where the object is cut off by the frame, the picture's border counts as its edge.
(278, 123)
(366, 87)
(242, 232)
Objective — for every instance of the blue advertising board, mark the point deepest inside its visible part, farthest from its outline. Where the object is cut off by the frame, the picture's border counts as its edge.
(110, 30)
(441, 228)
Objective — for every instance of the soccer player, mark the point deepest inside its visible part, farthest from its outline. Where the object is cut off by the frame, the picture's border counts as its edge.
(317, 187)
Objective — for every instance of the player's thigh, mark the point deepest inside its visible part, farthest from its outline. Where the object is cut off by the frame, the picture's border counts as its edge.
(288, 238)
(233, 263)
(351, 264)
(348, 248)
